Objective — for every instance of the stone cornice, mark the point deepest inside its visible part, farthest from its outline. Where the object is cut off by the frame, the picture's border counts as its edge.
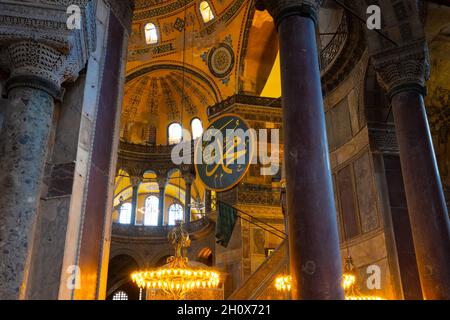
(403, 68)
(42, 52)
(243, 99)
(281, 9)
(197, 229)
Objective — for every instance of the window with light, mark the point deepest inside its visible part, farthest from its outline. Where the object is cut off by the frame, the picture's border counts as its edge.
(175, 213)
(125, 213)
(120, 295)
(175, 133)
(197, 128)
(151, 211)
(151, 33)
(206, 11)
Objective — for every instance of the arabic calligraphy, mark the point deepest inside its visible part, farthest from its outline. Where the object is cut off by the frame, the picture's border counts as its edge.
(226, 150)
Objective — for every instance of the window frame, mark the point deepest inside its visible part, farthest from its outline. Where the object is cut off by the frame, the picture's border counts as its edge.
(169, 217)
(121, 294)
(156, 211)
(168, 133)
(192, 128)
(211, 13)
(156, 34)
(130, 205)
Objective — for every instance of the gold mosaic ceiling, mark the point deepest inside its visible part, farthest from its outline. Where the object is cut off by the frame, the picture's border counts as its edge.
(192, 66)
(195, 64)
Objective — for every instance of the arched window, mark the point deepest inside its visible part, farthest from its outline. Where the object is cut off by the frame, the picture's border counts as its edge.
(151, 211)
(175, 213)
(151, 33)
(197, 128)
(120, 295)
(175, 133)
(206, 11)
(125, 213)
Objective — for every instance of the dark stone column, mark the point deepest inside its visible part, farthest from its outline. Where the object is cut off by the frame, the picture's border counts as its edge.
(316, 266)
(208, 202)
(162, 182)
(402, 72)
(135, 183)
(31, 90)
(23, 146)
(188, 179)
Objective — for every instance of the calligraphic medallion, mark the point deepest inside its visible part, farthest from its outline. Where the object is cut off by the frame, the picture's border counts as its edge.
(224, 153)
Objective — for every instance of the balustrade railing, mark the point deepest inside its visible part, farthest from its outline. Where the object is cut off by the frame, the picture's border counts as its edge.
(140, 231)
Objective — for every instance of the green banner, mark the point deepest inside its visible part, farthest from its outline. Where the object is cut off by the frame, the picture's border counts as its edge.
(226, 220)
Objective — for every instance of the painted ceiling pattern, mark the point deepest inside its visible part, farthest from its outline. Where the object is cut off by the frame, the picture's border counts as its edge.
(196, 64)
(192, 66)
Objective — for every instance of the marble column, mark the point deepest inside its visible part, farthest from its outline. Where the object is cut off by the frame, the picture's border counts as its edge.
(162, 182)
(402, 72)
(208, 202)
(315, 260)
(135, 184)
(188, 179)
(31, 90)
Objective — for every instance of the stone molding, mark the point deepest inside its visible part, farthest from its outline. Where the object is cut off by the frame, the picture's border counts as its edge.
(281, 9)
(404, 68)
(41, 52)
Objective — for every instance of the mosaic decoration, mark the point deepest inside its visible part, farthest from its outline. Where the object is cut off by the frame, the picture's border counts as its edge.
(173, 112)
(179, 24)
(186, 100)
(221, 60)
(153, 97)
(192, 87)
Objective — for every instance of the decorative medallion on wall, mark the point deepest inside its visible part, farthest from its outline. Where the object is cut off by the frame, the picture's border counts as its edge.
(225, 156)
(221, 60)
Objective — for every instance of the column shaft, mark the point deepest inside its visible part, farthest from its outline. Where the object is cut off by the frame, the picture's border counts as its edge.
(23, 147)
(426, 204)
(162, 192)
(134, 204)
(313, 235)
(187, 203)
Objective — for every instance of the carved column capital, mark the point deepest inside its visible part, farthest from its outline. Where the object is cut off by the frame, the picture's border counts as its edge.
(280, 9)
(135, 181)
(188, 178)
(162, 181)
(403, 68)
(42, 52)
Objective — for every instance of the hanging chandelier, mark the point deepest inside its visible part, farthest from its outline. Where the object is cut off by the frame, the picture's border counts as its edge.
(284, 282)
(349, 283)
(178, 276)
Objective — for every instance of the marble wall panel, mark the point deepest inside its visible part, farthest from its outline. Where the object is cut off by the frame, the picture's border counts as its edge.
(365, 189)
(48, 249)
(348, 202)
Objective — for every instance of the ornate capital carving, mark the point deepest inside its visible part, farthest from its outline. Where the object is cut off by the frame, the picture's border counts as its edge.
(42, 52)
(403, 68)
(162, 181)
(188, 178)
(280, 9)
(135, 181)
